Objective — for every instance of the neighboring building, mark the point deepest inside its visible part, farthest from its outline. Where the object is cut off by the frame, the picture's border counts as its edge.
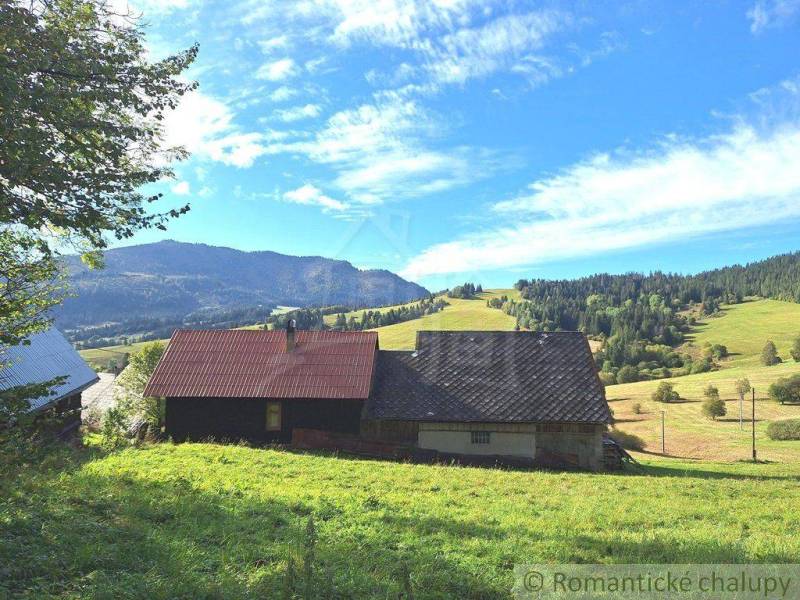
(48, 356)
(510, 394)
(531, 397)
(261, 385)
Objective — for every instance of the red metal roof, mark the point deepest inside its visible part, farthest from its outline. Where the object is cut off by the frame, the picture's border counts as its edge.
(255, 364)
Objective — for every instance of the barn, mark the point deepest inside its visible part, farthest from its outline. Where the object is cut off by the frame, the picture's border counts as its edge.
(521, 396)
(262, 385)
(45, 357)
(505, 394)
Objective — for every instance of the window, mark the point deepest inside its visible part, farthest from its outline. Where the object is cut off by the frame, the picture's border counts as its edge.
(480, 437)
(273, 416)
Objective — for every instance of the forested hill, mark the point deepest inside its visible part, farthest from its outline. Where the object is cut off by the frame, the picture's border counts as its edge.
(641, 315)
(169, 280)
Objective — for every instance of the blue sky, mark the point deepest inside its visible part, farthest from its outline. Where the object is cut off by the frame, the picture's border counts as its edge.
(454, 140)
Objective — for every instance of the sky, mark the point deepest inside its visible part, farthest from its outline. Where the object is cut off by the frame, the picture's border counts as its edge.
(461, 140)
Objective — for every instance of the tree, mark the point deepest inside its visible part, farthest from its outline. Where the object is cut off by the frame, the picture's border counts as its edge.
(743, 387)
(713, 405)
(129, 386)
(81, 113)
(795, 351)
(786, 390)
(769, 355)
(627, 374)
(665, 393)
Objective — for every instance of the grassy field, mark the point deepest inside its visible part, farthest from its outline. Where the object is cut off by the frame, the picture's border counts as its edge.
(98, 358)
(207, 521)
(745, 328)
(460, 315)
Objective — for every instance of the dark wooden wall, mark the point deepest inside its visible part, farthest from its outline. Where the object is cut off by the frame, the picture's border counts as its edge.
(245, 418)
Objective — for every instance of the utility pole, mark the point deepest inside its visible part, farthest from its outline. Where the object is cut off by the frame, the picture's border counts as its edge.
(663, 445)
(754, 425)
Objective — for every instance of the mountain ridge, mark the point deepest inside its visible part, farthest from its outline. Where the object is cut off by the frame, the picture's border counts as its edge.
(170, 279)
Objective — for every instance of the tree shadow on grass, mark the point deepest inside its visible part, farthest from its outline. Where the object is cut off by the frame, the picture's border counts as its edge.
(700, 473)
(91, 535)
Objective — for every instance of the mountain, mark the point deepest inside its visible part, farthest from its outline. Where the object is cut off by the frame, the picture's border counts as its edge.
(169, 280)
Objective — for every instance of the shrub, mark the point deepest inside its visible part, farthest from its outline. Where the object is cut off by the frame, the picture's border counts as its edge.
(665, 393)
(700, 366)
(628, 374)
(769, 355)
(795, 351)
(607, 378)
(637, 408)
(786, 390)
(713, 405)
(627, 440)
(788, 429)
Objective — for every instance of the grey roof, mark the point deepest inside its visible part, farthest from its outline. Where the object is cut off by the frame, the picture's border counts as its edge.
(48, 356)
(494, 377)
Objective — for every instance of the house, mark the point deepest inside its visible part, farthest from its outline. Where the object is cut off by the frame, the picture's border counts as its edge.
(49, 355)
(262, 385)
(521, 395)
(528, 397)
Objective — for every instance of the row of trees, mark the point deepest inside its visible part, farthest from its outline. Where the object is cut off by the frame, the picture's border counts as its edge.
(381, 318)
(466, 291)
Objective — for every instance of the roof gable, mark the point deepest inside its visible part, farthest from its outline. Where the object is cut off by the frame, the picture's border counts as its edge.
(47, 356)
(255, 364)
(490, 377)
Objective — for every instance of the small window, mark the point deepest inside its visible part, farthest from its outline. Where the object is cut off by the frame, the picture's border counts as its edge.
(273, 416)
(480, 437)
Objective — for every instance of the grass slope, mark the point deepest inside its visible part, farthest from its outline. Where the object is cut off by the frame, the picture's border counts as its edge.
(463, 315)
(745, 328)
(207, 521)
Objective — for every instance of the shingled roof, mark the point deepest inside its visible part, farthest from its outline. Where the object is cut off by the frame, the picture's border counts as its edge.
(494, 377)
(255, 364)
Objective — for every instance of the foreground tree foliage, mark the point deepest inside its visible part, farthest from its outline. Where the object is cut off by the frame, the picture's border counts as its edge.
(81, 113)
(80, 119)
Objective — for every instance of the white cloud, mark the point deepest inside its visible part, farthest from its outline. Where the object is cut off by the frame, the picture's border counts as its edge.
(313, 196)
(205, 127)
(149, 7)
(277, 70)
(502, 44)
(765, 14)
(181, 188)
(741, 179)
(296, 113)
(273, 43)
(282, 94)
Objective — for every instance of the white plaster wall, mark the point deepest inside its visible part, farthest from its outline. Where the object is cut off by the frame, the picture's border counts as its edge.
(459, 442)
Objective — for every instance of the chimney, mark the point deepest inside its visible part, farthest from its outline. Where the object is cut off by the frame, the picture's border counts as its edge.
(290, 335)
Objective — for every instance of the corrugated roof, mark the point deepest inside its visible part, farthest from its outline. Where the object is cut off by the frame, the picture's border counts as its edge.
(490, 377)
(255, 364)
(49, 355)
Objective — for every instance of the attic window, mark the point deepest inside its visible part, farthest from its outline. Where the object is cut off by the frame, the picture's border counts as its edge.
(480, 437)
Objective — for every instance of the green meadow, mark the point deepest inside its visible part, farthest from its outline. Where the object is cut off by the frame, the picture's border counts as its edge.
(212, 521)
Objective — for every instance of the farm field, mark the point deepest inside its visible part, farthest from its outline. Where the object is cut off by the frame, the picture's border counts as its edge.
(98, 358)
(201, 520)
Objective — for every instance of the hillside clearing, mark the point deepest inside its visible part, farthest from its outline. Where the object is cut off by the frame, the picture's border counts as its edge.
(461, 315)
(201, 520)
(744, 328)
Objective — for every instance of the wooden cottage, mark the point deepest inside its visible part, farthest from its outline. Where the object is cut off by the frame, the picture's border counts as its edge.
(45, 357)
(262, 385)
